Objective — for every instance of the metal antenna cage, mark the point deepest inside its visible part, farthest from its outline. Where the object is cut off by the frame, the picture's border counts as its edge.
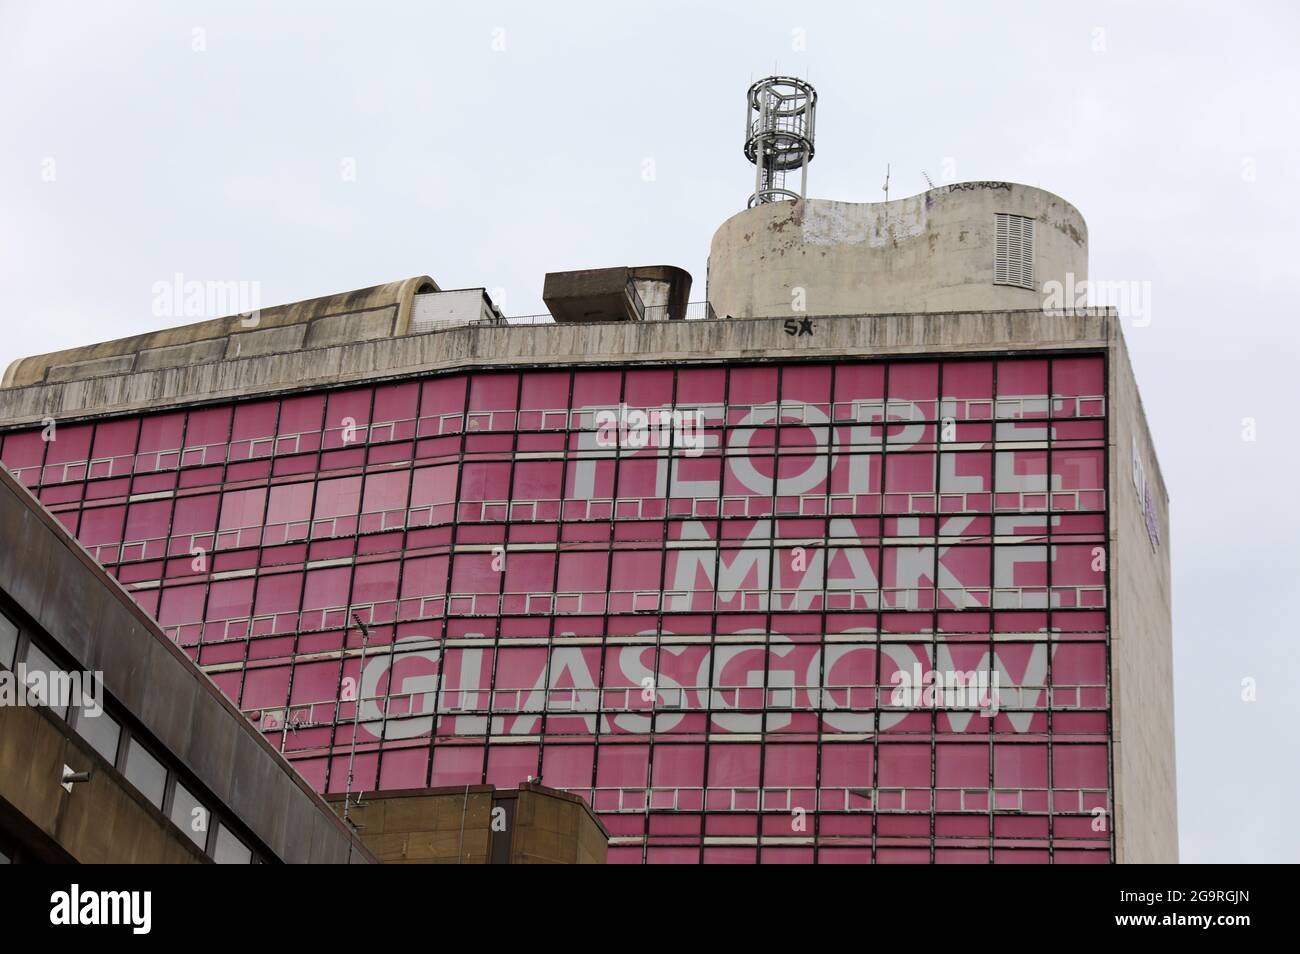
(779, 129)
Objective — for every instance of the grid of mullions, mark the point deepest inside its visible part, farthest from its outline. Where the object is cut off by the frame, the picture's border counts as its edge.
(252, 529)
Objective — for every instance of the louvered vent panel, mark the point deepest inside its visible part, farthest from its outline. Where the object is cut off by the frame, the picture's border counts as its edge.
(1013, 261)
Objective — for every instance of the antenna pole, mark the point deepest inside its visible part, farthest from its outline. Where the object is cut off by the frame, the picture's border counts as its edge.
(356, 715)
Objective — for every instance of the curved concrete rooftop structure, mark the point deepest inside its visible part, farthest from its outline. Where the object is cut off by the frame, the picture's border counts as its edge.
(932, 252)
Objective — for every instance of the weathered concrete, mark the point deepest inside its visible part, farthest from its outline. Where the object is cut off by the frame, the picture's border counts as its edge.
(178, 356)
(929, 252)
(88, 361)
(479, 824)
(93, 619)
(1141, 665)
(666, 342)
(606, 294)
(103, 820)
(343, 329)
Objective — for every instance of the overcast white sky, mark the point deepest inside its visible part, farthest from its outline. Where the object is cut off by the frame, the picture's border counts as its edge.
(495, 142)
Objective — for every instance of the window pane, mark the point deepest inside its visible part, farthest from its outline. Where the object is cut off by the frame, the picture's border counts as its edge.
(99, 729)
(189, 815)
(43, 681)
(146, 773)
(230, 850)
(8, 642)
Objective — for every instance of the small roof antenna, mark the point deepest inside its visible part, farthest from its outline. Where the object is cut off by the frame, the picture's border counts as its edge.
(886, 187)
(927, 179)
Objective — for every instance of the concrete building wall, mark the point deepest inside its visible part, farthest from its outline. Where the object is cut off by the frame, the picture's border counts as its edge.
(926, 253)
(94, 621)
(1146, 804)
(478, 824)
(551, 827)
(366, 313)
(103, 820)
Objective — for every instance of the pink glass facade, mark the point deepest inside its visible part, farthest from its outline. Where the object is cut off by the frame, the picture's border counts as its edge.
(699, 629)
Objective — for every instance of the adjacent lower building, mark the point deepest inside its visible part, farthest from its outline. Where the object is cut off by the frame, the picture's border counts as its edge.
(477, 824)
(114, 748)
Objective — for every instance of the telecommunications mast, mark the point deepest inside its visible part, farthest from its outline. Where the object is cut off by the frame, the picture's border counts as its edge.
(779, 127)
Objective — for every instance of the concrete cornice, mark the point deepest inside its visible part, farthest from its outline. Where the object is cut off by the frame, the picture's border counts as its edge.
(385, 356)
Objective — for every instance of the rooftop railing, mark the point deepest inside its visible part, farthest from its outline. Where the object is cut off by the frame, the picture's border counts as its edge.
(695, 311)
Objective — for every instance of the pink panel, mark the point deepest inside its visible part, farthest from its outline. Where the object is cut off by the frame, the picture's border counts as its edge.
(290, 502)
(1079, 664)
(627, 766)
(315, 682)
(396, 402)
(385, 491)
(582, 571)
(530, 573)
(160, 433)
(474, 573)
(962, 765)
(101, 525)
(1019, 766)
(750, 387)
(596, 389)
(493, 392)
(433, 485)
(327, 587)
(242, 508)
(648, 389)
(68, 442)
(181, 604)
(338, 498)
(733, 766)
(568, 766)
(353, 404)
(299, 414)
(789, 766)
(904, 766)
(115, 440)
(916, 383)
(677, 765)
(212, 425)
(458, 765)
(251, 421)
(265, 687)
(24, 451)
(1073, 377)
(424, 576)
(279, 593)
(485, 481)
(807, 384)
(1079, 766)
(702, 389)
(147, 520)
(403, 768)
(508, 765)
(544, 400)
(968, 390)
